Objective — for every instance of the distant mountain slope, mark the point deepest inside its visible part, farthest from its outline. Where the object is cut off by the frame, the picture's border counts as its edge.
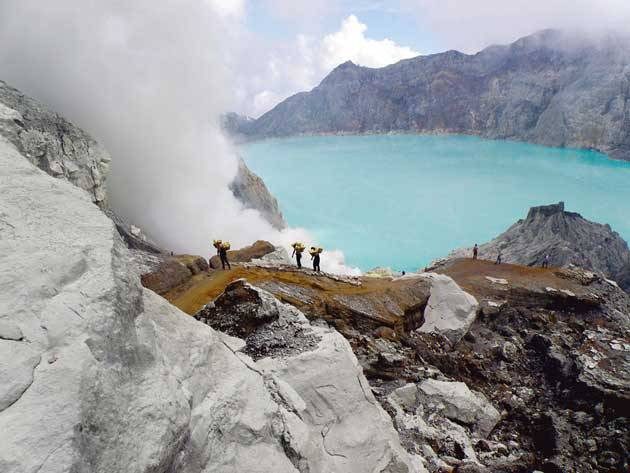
(549, 88)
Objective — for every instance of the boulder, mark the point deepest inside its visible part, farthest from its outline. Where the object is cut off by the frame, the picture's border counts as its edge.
(173, 272)
(110, 377)
(319, 380)
(246, 254)
(240, 310)
(450, 311)
(277, 258)
(414, 420)
(455, 401)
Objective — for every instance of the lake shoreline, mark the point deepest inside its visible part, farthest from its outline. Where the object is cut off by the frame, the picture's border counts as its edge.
(246, 140)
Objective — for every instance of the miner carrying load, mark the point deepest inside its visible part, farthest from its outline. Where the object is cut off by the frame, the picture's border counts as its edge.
(315, 252)
(298, 248)
(222, 248)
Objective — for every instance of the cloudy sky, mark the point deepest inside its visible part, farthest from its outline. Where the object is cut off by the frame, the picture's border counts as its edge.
(280, 47)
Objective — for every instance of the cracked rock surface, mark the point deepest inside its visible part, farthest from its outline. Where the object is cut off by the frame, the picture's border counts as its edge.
(54, 144)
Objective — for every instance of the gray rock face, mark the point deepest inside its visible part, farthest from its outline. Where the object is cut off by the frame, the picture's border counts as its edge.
(252, 192)
(548, 88)
(459, 403)
(566, 237)
(343, 428)
(53, 144)
(450, 311)
(98, 374)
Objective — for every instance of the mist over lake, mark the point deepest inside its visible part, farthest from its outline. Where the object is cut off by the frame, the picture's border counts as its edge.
(403, 200)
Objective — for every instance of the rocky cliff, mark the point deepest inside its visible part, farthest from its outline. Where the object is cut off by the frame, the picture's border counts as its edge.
(568, 239)
(484, 367)
(98, 374)
(53, 144)
(551, 88)
(250, 189)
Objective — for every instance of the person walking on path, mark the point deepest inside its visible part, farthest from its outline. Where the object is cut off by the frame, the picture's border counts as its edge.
(224, 258)
(498, 261)
(545, 263)
(297, 252)
(475, 251)
(315, 257)
(222, 247)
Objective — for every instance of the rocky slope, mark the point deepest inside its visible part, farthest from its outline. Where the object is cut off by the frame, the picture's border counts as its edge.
(52, 143)
(484, 368)
(63, 150)
(550, 88)
(250, 189)
(566, 237)
(98, 374)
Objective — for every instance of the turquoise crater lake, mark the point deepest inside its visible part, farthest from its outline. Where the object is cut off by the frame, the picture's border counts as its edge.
(403, 200)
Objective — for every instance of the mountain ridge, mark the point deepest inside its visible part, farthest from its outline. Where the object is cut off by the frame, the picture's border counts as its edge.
(551, 88)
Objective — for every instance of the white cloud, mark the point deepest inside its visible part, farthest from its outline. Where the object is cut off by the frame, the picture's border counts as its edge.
(470, 26)
(264, 101)
(228, 9)
(350, 43)
(269, 73)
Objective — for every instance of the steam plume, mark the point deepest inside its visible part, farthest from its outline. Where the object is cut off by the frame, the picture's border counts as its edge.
(146, 78)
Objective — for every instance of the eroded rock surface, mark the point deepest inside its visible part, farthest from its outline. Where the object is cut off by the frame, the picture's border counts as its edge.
(53, 144)
(251, 190)
(547, 350)
(343, 428)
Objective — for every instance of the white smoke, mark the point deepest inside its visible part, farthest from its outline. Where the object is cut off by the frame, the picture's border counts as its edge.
(147, 79)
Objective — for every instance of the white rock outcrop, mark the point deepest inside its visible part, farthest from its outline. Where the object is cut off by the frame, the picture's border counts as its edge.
(450, 310)
(456, 402)
(445, 415)
(98, 374)
(52, 143)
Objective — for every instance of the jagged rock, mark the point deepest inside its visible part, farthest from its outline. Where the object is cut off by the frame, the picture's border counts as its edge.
(241, 309)
(246, 254)
(346, 429)
(277, 258)
(111, 377)
(53, 144)
(173, 272)
(416, 423)
(450, 311)
(603, 363)
(252, 192)
(538, 89)
(460, 404)
(570, 241)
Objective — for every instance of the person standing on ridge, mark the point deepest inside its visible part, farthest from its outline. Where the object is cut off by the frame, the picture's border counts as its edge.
(297, 252)
(224, 258)
(498, 261)
(475, 251)
(315, 257)
(545, 263)
(222, 247)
